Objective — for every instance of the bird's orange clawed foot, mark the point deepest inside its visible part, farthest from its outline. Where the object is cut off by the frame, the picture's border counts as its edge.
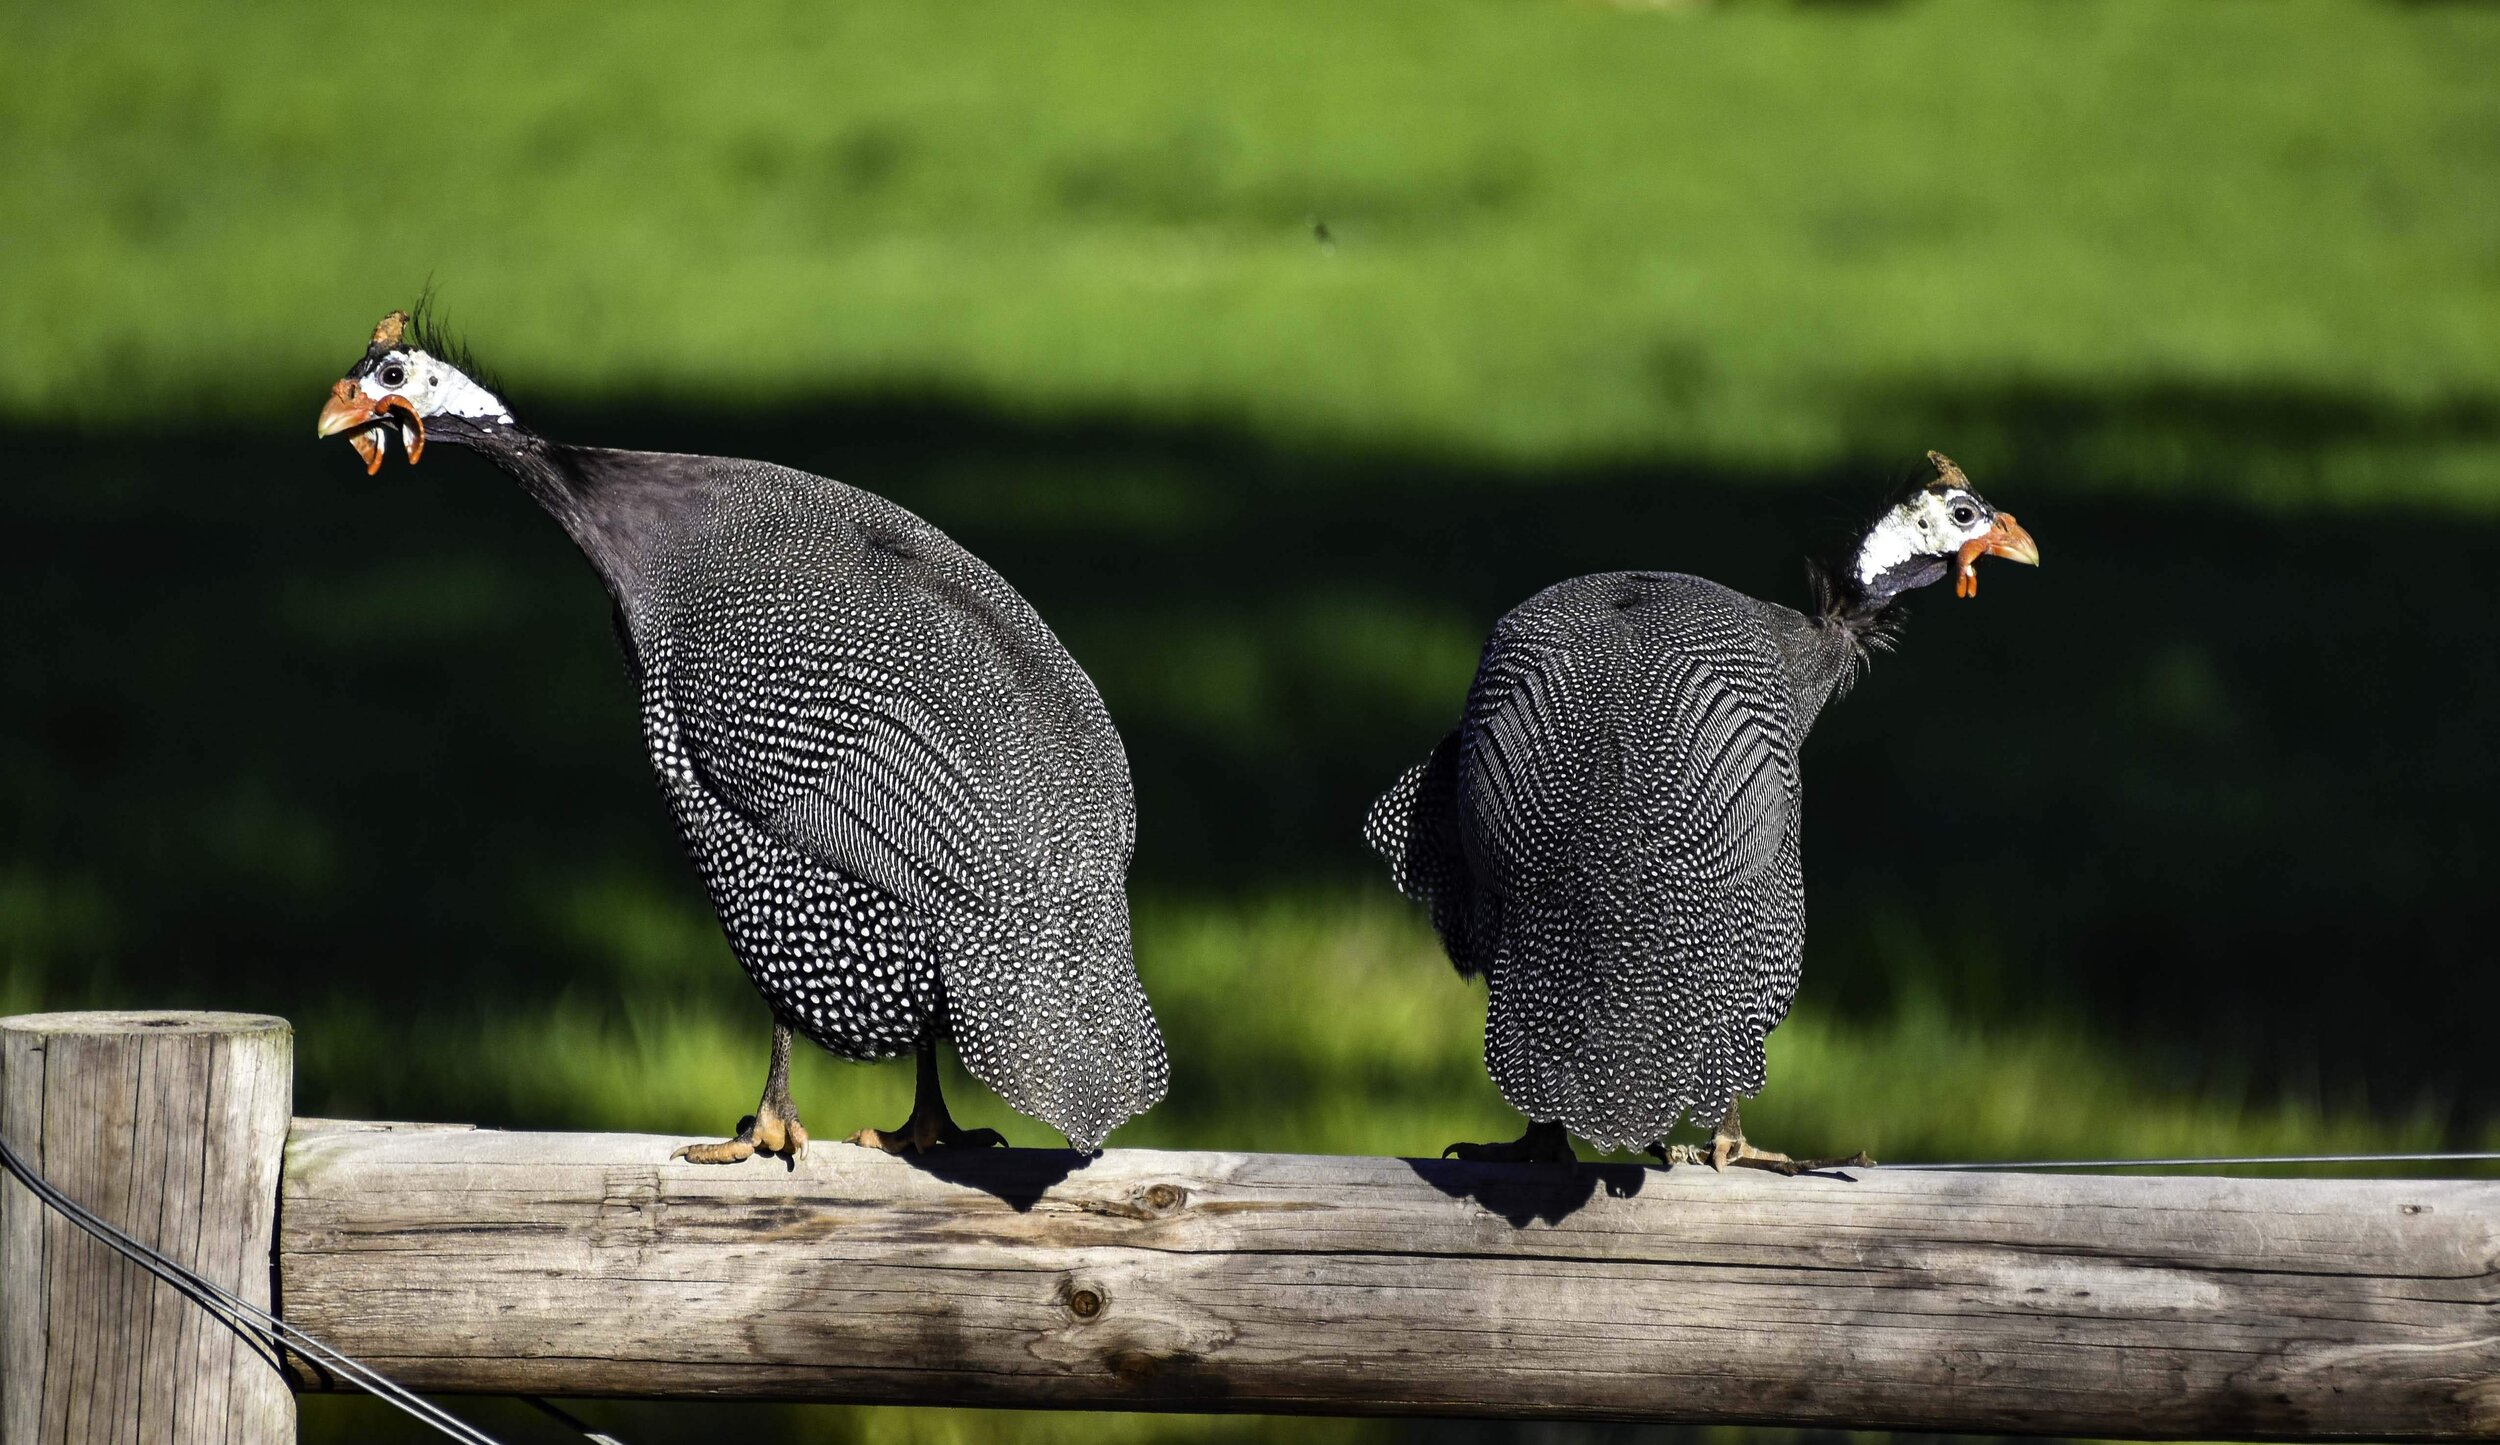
(1727, 1147)
(769, 1132)
(1723, 1152)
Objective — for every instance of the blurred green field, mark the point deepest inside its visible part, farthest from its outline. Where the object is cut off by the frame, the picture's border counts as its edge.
(2169, 235)
(1274, 349)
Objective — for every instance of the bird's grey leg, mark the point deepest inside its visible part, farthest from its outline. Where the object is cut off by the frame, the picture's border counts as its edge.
(777, 1129)
(930, 1126)
(1728, 1146)
(1542, 1144)
(774, 1126)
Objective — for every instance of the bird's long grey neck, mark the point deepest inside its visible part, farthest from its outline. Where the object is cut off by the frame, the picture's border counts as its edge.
(532, 461)
(566, 492)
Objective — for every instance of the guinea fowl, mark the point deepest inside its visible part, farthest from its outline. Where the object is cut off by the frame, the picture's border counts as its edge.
(1610, 835)
(904, 797)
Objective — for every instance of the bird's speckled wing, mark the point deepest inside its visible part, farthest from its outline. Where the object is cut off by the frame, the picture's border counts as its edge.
(870, 702)
(875, 696)
(1628, 800)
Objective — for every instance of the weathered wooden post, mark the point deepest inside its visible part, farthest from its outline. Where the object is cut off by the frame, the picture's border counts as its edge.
(170, 1125)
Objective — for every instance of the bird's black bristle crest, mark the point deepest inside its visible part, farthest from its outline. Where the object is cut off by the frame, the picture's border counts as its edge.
(1918, 477)
(428, 332)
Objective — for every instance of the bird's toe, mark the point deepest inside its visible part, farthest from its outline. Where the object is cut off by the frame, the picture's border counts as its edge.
(885, 1141)
(728, 1151)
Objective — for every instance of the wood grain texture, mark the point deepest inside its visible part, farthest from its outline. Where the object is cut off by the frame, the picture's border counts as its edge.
(464, 1260)
(171, 1126)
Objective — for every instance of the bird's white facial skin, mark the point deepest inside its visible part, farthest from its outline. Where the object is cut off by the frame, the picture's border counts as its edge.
(1936, 522)
(432, 387)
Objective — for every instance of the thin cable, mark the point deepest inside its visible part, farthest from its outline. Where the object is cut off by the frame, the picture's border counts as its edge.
(247, 1320)
(2206, 1161)
(566, 1417)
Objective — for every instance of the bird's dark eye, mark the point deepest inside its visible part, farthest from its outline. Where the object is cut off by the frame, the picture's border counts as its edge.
(394, 374)
(1962, 516)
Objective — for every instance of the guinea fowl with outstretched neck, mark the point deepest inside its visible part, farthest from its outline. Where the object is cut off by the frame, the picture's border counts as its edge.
(1610, 835)
(904, 797)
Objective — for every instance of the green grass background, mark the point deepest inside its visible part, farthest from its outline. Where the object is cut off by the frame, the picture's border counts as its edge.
(1274, 348)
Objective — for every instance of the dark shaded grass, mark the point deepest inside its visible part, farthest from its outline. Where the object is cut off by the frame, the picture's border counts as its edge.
(2212, 781)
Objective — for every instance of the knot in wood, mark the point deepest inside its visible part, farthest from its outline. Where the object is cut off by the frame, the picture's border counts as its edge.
(1164, 1196)
(1084, 1304)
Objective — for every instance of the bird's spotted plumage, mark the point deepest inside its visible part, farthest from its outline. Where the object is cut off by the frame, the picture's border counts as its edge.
(905, 796)
(1611, 839)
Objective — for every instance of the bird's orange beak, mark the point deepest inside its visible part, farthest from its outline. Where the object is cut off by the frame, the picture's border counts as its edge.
(2006, 539)
(351, 411)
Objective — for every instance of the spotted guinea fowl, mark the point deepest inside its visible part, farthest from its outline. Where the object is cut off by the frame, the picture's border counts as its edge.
(905, 798)
(1610, 839)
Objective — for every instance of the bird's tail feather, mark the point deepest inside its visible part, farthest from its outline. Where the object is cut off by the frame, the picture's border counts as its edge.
(1057, 1022)
(1617, 1034)
(1414, 826)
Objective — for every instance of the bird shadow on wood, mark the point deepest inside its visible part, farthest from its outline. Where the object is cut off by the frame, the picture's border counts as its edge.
(1525, 1194)
(1017, 1178)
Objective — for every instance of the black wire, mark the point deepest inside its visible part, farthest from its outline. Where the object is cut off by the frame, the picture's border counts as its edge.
(567, 1418)
(257, 1327)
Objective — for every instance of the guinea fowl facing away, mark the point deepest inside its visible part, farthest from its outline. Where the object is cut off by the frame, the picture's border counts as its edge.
(1610, 835)
(905, 798)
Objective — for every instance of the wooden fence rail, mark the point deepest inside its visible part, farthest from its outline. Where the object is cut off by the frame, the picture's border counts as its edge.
(589, 1264)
